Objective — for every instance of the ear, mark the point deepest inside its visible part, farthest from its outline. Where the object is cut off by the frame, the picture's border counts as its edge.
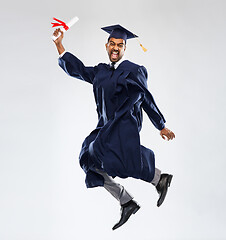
(124, 44)
(106, 45)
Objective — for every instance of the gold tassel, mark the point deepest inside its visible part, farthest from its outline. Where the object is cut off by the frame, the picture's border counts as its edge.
(144, 49)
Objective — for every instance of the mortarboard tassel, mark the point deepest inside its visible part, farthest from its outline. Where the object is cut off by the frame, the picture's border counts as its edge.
(144, 49)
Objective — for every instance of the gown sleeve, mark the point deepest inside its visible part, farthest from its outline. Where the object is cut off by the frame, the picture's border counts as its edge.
(149, 104)
(75, 68)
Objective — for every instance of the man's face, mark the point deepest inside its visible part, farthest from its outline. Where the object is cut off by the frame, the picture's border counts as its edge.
(115, 48)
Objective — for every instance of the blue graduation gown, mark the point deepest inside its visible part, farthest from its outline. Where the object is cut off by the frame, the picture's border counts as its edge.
(120, 95)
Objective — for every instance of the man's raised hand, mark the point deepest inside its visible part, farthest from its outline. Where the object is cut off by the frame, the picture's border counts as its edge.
(59, 39)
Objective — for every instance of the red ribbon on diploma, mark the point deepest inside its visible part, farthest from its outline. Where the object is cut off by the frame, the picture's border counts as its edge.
(60, 23)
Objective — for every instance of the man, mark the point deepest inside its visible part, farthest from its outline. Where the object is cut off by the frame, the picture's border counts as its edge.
(113, 148)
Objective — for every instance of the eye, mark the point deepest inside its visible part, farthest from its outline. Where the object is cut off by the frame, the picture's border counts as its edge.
(112, 44)
(120, 45)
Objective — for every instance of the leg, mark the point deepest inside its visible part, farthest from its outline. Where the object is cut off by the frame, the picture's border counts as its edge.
(117, 190)
(161, 182)
(153, 175)
(156, 178)
(128, 206)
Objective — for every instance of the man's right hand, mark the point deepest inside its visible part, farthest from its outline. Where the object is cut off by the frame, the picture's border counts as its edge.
(60, 38)
(58, 41)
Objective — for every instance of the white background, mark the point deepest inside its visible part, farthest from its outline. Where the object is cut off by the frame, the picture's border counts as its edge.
(45, 115)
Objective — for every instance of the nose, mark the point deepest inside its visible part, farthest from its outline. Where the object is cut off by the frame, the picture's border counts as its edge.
(116, 47)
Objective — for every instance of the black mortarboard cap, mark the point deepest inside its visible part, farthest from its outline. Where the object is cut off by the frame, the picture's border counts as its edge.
(117, 31)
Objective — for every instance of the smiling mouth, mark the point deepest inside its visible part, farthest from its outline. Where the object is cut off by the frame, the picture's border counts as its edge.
(114, 54)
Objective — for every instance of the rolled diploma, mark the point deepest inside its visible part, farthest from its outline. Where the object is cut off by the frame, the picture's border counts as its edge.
(69, 24)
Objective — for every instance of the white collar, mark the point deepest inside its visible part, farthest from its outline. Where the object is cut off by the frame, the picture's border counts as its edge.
(117, 63)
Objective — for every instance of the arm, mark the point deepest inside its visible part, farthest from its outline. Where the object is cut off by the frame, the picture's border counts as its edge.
(151, 108)
(71, 64)
(75, 68)
(149, 104)
(58, 41)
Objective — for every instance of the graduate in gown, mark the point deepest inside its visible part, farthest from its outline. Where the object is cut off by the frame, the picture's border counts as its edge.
(113, 148)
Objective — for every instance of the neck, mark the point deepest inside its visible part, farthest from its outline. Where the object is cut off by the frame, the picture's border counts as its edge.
(116, 64)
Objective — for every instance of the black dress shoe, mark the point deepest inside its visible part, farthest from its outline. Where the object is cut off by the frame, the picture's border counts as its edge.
(162, 187)
(127, 210)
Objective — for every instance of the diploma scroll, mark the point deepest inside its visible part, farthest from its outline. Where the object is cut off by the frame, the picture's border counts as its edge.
(65, 26)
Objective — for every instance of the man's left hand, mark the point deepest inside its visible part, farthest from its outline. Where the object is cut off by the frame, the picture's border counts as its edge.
(166, 133)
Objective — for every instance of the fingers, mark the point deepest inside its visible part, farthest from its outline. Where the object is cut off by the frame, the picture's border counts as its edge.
(169, 134)
(62, 33)
(56, 33)
(162, 136)
(168, 137)
(173, 135)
